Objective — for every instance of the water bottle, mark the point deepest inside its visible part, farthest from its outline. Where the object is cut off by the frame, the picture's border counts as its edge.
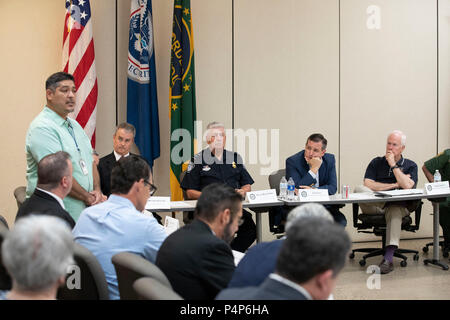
(290, 189)
(283, 188)
(437, 176)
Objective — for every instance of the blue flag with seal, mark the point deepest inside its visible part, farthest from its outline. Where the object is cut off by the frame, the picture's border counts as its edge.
(142, 100)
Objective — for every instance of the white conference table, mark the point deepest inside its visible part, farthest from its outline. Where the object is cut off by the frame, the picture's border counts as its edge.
(259, 208)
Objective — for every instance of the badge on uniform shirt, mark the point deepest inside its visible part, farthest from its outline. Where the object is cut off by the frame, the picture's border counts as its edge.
(233, 165)
(206, 168)
(83, 167)
(190, 166)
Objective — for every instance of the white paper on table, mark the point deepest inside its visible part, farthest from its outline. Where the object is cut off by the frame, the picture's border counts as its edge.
(178, 204)
(237, 256)
(361, 195)
(400, 192)
(171, 225)
(155, 203)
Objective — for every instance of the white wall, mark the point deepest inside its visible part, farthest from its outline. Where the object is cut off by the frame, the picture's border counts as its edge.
(300, 66)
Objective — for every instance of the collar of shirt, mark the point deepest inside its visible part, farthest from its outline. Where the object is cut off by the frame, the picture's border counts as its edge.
(216, 160)
(60, 201)
(291, 284)
(401, 161)
(118, 156)
(55, 117)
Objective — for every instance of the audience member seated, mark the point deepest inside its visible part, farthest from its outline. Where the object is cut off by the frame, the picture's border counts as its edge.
(197, 259)
(53, 185)
(215, 164)
(36, 254)
(123, 139)
(310, 259)
(388, 172)
(118, 224)
(260, 260)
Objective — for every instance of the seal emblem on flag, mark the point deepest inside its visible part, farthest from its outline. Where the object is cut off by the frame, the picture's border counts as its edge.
(140, 46)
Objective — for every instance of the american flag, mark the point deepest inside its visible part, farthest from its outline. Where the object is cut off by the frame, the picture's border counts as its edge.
(78, 59)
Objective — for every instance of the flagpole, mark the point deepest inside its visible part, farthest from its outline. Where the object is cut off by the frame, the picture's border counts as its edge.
(117, 84)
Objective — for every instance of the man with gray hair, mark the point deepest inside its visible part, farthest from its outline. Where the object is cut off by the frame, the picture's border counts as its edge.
(260, 260)
(53, 185)
(309, 261)
(37, 253)
(123, 140)
(217, 165)
(389, 172)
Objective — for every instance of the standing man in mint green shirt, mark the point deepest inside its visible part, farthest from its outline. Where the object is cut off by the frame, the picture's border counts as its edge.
(51, 131)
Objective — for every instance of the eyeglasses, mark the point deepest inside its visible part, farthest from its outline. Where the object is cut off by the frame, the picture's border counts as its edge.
(153, 188)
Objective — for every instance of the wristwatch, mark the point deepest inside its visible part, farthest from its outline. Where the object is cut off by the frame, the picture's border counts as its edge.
(396, 166)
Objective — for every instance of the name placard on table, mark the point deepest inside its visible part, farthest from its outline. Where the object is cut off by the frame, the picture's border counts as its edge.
(262, 196)
(437, 187)
(313, 195)
(155, 203)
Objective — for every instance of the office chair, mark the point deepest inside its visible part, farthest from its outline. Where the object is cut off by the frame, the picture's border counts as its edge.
(3, 221)
(135, 149)
(445, 250)
(5, 279)
(274, 183)
(275, 178)
(130, 267)
(151, 289)
(377, 223)
(20, 195)
(91, 278)
(188, 216)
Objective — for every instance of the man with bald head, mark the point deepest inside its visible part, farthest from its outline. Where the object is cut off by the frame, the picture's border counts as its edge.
(388, 172)
(53, 185)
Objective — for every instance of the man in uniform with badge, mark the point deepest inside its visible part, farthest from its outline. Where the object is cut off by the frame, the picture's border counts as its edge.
(441, 162)
(215, 164)
(52, 131)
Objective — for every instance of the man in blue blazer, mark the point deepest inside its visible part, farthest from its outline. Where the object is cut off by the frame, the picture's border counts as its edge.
(307, 266)
(314, 168)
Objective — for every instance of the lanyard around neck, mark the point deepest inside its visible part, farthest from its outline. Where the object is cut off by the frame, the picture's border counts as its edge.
(72, 133)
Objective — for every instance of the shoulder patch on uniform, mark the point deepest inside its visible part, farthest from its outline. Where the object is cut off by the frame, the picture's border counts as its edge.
(191, 166)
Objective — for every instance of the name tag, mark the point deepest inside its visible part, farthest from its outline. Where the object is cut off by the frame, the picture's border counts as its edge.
(262, 196)
(313, 195)
(155, 203)
(437, 187)
(83, 167)
(171, 225)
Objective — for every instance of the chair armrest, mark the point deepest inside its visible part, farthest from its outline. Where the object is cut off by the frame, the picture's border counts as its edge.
(418, 214)
(355, 207)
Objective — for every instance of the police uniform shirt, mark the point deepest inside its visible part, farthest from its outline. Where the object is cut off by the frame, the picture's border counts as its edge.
(379, 170)
(205, 169)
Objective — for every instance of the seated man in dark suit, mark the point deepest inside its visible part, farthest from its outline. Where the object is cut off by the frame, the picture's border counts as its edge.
(260, 260)
(122, 141)
(197, 258)
(313, 168)
(53, 185)
(310, 259)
